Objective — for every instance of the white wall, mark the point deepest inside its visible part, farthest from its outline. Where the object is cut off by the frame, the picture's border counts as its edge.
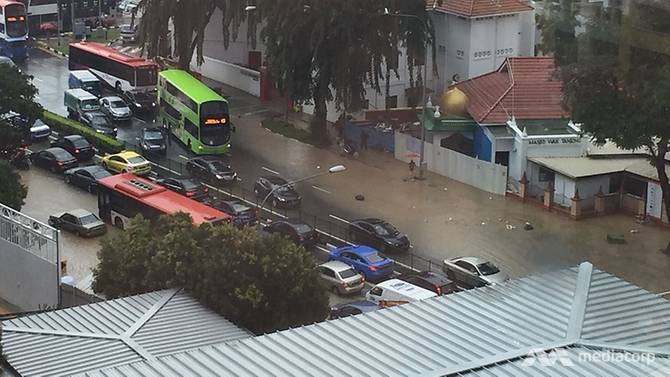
(236, 76)
(238, 50)
(564, 190)
(492, 40)
(453, 33)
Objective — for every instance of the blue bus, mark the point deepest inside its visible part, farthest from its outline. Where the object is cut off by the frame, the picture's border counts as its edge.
(13, 30)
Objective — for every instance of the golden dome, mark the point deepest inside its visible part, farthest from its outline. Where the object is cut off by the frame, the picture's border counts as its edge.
(454, 102)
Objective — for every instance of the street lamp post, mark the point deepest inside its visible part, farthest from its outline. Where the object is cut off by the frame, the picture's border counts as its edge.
(331, 170)
(423, 87)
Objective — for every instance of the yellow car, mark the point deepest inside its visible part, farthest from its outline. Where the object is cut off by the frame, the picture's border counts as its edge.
(126, 162)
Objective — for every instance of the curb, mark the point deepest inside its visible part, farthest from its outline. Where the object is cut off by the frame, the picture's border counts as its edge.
(52, 50)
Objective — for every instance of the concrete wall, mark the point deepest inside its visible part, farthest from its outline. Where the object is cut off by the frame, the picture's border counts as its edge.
(471, 171)
(238, 49)
(236, 76)
(26, 280)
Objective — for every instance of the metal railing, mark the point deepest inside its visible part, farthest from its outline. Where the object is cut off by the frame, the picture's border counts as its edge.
(29, 234)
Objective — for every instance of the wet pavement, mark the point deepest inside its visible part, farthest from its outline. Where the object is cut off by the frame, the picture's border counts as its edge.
(443, 218)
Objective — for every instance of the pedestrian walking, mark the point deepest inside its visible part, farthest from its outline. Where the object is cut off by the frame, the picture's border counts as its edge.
(364, 140)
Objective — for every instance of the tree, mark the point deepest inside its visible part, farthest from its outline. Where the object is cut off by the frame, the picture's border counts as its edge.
(618, 83)
(17, 94)
(265, 284)
(329, 50)
(189, 19)
(12, 192)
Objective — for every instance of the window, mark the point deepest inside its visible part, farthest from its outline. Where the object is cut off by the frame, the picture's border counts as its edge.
(376, 291)
(171, 111)
(2, 27)
(546, 175)
(391, 102)
(190, 127)
(328, 272)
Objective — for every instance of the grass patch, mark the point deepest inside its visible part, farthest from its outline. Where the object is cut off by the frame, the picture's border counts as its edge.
(97, 35)
(279, 126)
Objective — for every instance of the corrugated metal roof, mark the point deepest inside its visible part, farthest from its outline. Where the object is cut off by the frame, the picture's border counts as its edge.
(581, 167)
(488, 331)
(479, 8)
(112, 333)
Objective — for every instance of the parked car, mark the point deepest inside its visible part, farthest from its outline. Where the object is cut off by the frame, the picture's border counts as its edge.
(212, 170)
(242, 214)
(79, 221)
(298, 232)
(395, 292)
(129, 33)
(77, 146)
(282, 194)
(190, 187)
(153, 140)
(471, 272)
(432, 281)
(141, 102)
(79, 102)
(55, 159)
(39, 131)
(99, 122)
(126, 162)
(378, 234)
(86, 177)
(341, 278)
(352, 308)
(116, 108)
(364, 259)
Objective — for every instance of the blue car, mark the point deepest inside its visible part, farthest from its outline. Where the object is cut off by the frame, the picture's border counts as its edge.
(364, 259)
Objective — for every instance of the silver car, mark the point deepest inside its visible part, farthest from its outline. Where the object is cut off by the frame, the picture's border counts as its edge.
(341, 278)
(116, 108)
(482, 268)
(79, 221)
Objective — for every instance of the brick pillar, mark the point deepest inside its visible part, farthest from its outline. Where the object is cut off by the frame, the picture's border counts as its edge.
(576, 206)
(549, 195)
(642, 205)
(599, 202)
(523, 187)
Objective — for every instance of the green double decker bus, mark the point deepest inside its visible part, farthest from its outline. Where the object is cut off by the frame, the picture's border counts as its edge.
(194, 113)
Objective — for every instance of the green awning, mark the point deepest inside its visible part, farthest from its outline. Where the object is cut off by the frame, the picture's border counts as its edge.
(450, 123)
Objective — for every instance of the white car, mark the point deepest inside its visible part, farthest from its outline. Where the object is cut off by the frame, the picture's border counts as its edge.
(341, 278)
(483, 268)
(115, 108)
(395, 292)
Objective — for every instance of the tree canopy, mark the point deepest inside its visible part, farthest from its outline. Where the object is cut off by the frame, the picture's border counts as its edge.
(262, 283)
(330, 50)
(616, 73)
(12, 192)
(17, 94)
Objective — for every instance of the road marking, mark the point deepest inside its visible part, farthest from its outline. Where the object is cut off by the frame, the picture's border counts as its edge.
(140, 120)
(255, 112)
(321, 189)
(339, 218)
(270, 170)
(184, 157)
(164, 168)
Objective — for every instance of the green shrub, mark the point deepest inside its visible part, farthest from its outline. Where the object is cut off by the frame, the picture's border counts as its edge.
(68, 126)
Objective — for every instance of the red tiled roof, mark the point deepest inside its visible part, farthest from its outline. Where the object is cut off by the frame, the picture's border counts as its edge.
(479, 8)
(523, 87)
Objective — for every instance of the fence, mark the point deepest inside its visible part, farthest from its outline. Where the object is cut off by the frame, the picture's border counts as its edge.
(481, 174)
(335, 232)
(236, 76)
(29, 268)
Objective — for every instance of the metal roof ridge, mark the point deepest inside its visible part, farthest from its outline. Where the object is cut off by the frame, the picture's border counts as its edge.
(149, 314)
(66, 333)
(578, 311)
(623, 348)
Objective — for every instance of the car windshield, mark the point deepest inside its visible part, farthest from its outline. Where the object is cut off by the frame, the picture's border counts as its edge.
(238, 208)
(487, 269)
(219, 166)
(153, 135)
(89, 219)
(142, 97)
(100, 173)
(385, 229)
(345, 274)
(80, 143)
(214, 135)
(62, 155)
(191, 184)
(303, 228)
(374, 258)
(118, 104)
(146, 76)
(99, 120)
(90, 104)
(136, 160)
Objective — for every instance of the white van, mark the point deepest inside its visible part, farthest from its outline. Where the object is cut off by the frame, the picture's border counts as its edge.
(394, 292)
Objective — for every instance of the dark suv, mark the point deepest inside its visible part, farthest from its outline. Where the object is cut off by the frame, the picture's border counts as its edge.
(77, 145)
(153, 140)
(432, 281)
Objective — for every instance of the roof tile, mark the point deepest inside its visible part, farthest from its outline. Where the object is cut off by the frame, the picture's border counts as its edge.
(480, 8)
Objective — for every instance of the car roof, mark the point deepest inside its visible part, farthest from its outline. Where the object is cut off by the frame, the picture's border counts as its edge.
(125, 154)
(113, 98)
(275, 179)
(361, 304)
(90, 168)
(79, 212)
(358, 249)
(472, 260)
(94, 114)
(159, 129)
(336, 265)
(435, 278)
(57, 150)
(74, 137)
(407, 288)
(372, 220)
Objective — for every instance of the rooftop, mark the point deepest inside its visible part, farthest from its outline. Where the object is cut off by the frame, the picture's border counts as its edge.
(523, 88)
(479, 8)
(582, 167)
(112, 333)
(500, 330)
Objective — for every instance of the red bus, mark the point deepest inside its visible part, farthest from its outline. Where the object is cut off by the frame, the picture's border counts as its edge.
(123, 196)
(120, 71)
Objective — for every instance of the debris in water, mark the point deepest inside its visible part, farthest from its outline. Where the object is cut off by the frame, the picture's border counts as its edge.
(527, 226)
